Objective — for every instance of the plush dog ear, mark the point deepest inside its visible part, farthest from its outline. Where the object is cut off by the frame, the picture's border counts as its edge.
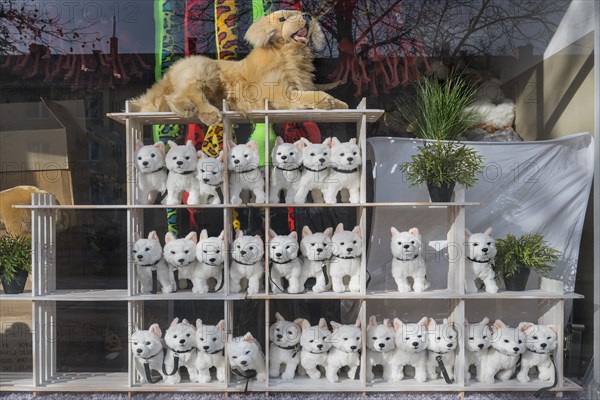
(357, 231)
(293, 235)
(339, 228)
(335, 325)
(238, 233)
(395, 232)
(306, 231)
(261, 32)
(322, 323)
(153, 236)
(278, 141)
(169, 237)
(135, 328)
(199, 324)
(498, 326)
(222, 235)
(334, 141)
(172, 144)
(185, 322)
(316, 36)
(136, 236)
(272, 234)
(300, 144)
(138, 144)
(398, 324)
(201, 155)
(253, 145)
(358, 323)
(220, 156)
(221, 325)
(189, 143)
(329, 142)
(174, 322)
(489, 232)
(467, 233)
(526, 327)
(353, 141)
(423, 322)
(372, 320)
(230, 144)
(257, 237)
(192, 236)
(553, 328)
(415, 232)
(155, 329)
(203, 234)
(279, 317)
(248, 338)
(303, 323)
(328, 232)
(387, 322)
(160, 146)
(485, 321)
(431, 324)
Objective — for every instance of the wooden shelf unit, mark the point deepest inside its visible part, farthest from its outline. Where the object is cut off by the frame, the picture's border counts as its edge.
(44, 296)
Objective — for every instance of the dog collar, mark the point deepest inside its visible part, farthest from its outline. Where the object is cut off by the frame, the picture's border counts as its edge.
(211, 264)
(283, 262)
(347, 258)
(295, 348)
(212, 184)
(345, 171)
(312, 352)
(184, 172)
(314, 170)
(152, 356)
(239, 262)
(181, 351)
(222, 350)
(153, 172)
(150, 265)
(537, 352)
(410, 259)
(441, 352)
(477, 261)
(243, 172)
(299, 168)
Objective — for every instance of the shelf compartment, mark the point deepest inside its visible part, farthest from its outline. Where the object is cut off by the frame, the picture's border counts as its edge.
(274, 116)
(16, 381)
(441, 294)
(305, 384)
(411, 385)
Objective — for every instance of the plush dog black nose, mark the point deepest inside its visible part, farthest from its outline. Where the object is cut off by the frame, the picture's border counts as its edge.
(278, 254)
(353, 347)
(244, 362)
(206, 347)
(381, 345)
(415, 344)
(139, 351)
(485, 250)
(406, 246)
(284, 157)
(320, 346)
(140, 256)
(321, 160)
(349, 249)
(179, 162)
(145, 163)
(212, 259)
(182, 341)
(516, 349)
(181, 260)
(350, 159)
(543, 345)
(480, 345)
(319, 250)
(205, 180)
(450, 345)
(243, 252)
(279, 336)
(236, 161)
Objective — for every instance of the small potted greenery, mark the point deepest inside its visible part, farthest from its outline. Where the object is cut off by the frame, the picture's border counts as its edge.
(441, 165)
(15, 262)
(517, 256)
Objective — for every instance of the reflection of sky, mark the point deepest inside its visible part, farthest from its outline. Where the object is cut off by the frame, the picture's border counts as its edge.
(410, 19)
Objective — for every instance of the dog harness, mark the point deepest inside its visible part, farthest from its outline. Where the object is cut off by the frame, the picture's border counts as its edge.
(345, 171)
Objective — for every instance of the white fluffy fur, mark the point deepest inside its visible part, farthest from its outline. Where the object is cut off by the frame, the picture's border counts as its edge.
(344, 172)
(346, 341)
(209, 175)
(441, 341)
(285, 264)
(316, 251)
(146, 346)
(477, 340)
(408, 260)
(247, 262)
(315, 347)
(500, 360)
(481, 250)
(245, 353)
(148, 255)
(287, 169)
(181, 162)
(210, 345)
(244, 172)
(411, 349)
(180, 339)
(315, 159)
(540, 341)
(380, 347)
(346, 259)
(210, 256)
(494, 116)
(180, 254)
(152, 176)
(284, 351)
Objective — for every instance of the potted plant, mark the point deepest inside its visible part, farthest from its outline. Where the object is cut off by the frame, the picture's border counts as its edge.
(440, 110)
(517, 256)
(441, 165)
(15, 262)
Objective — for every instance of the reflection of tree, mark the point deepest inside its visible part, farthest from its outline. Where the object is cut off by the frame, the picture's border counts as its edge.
(24, 23)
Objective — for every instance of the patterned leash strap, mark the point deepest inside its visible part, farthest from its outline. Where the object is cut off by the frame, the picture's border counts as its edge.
(440, 362)
(154, 282)
(148, 373)
(175, 363)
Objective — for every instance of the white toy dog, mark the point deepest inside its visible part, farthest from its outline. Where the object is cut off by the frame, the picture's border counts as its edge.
(209, 173)
(152, 176)
(246, 357)
(148, 256)
(180, 340)
(502, 357)
(408, 261)
(442, 342)
(287, 169)
(315, 345)
(146, 347)
(244, 172)
(210, 345)
(247, 262)
(477, 341)
(380, 347)
(181, 163)
(285, 348)
(481, 250)
(540, 341)
(346, 259)
(411, 349)
(209, 253)
(285, 264)
(315, 160)
(344, 173)
(346, 341)
(180, 254)
(316, 251)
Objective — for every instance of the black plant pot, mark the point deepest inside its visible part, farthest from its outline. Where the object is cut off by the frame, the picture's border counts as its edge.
(441, 194)
(517, 282)
(17, 285)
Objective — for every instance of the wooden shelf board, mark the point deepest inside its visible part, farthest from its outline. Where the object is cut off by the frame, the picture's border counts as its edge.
(25, 296)
(309, 296)
(516, 386)
(524, 295)
(431, 294)
(411, 385)
(335, 116)
(305, 384)
(126, 207)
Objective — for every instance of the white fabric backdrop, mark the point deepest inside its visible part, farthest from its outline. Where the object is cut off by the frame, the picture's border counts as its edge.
(526, 187)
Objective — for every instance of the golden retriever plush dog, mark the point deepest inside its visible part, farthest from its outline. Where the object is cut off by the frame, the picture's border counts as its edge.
(279, 69)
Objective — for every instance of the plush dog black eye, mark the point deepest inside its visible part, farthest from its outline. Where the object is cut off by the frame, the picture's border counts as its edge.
(357, 338)
(218, 251)
(290, 333)
(549, 338)
(475, 244)
(139, 158)
(188, 335)
(152, 155)
(354, 153)
(273, 247)
(520, 341)
(214, 339)
(374, 338)
(202, 339)
(148, 343)
(535, 338)
(312, 154)
(439, 338)
(248, 352)
(251, 248)
(354, 242)
(387, 338)
(172, 252)
(234, 357)
(471, 338)
(345, 338)
(187, 158)
(450, 337)
(187, 251)
(287, 247)
(310, 341)
(505, 340)
(205, 252)
(484, 336)
(147, 249)
(325, 153)
(246, 155)
(174, 336)
(407, 338)
(278, 153)
(341, 244)
(214, 172)
(291, 154)
(342, 154)
(312, 244)
(201, 170)
(134, 251)
(174, 158)
(281, 19)
(277, 329)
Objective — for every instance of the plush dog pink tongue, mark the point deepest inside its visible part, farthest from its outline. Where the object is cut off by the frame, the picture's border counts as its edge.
(300, 36)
